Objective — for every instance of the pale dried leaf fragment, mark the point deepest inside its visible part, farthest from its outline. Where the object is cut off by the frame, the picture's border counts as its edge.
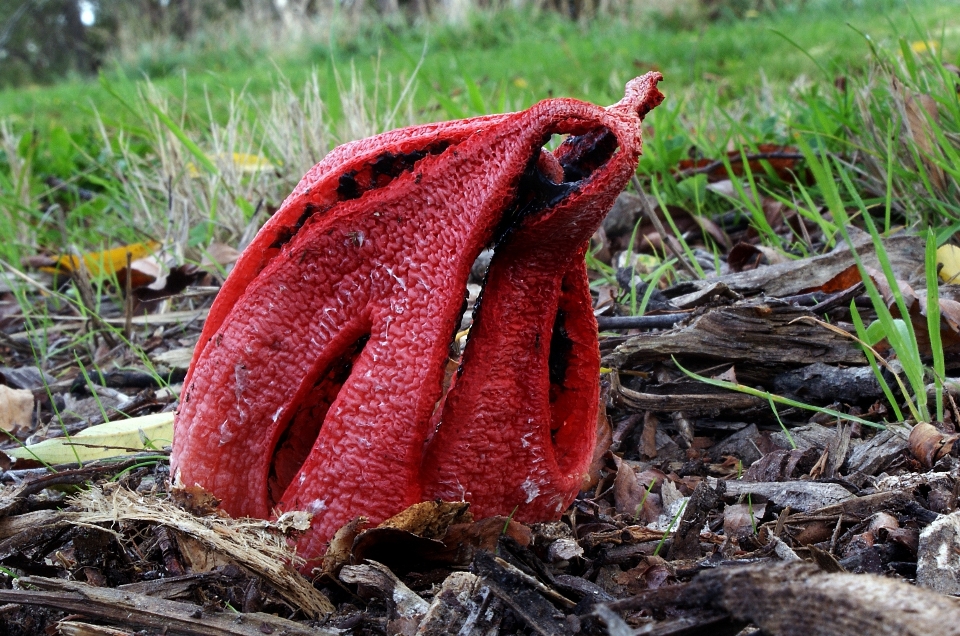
(78, 628)
(740, 520)
(16, 409)
(219, 254)
(197, 556)
(563, 550)
(110, 439)
(950, 311)
(178, 358)
(803, 496)
(948, 262)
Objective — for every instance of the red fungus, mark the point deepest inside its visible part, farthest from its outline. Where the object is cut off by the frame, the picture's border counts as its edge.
(316, 382)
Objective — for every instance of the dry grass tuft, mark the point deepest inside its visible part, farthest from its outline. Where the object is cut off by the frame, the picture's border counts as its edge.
(259, 546)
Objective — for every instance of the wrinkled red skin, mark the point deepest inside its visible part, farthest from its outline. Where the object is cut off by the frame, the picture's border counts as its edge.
(283, 349)
(508, 407)
(319, 188)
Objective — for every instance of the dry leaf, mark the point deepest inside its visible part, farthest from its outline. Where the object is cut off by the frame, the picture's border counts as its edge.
(730, 375)
(16, 409)
(928, 444)
(740, 520)
(604, 441)
(195, 500)
(783, 160)
(950, 311)
(744, 257)
(105, 263)
(844, 280)
(921, 115)
(341, 545)
(430, 519)
(403, 551)
(143, 272)
(241, 162)
(948, 262)
(651, 573)
(627, 491)
(906, 291)
(648, 438)
(220, 254)
(197, 556)
(178, 358)
(110, 439)
(176, 280)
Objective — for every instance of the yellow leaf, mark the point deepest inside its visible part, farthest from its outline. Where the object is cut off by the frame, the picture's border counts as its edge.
(243, 162)
(948, 260)
(251, 163)
(920, 46)
(103, 263)
(110, 439)
(519, 82)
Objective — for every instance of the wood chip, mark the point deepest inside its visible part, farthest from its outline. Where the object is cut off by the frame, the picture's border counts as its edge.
(798, 600)
(804, 496)
(760, 334)
(938, 556)
(464, 606)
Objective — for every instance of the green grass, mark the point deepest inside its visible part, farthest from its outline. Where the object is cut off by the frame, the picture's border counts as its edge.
(729, 82)
(153, 158)
(513, 59)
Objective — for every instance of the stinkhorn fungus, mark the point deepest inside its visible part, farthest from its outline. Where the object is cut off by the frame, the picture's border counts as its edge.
(317, 382)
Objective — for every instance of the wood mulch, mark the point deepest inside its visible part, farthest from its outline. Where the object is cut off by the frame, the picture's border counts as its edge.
(709, 512)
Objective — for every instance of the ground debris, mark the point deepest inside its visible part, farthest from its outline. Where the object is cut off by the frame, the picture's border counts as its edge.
(711, 512)
(127, 608)
(759, 333)
(463, 605)
(797, 599)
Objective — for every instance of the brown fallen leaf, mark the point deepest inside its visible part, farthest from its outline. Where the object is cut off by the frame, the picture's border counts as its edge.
(745, 257)
(197, 556)
(604, 441)
(843, 280)
(651, 573)
(430, 519)
(341, 546)
(929, 445)
(220, 254)
(627, 491)
(783, 160)
(950, 311)
(741, 520)
(436, 533)
(921, 114)
(195, 500)
(648, 439)
(916, 303)
(171, 284)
